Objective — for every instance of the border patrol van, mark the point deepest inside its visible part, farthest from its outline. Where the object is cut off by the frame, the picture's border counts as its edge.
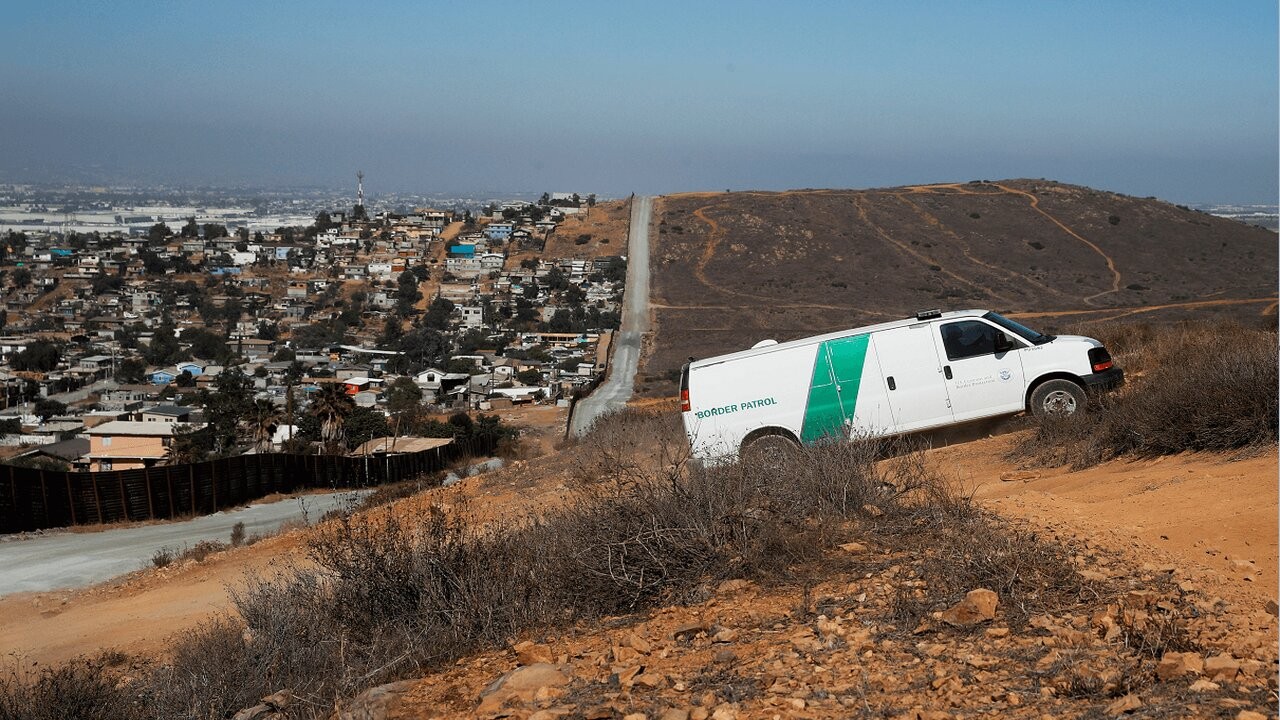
(930, 371)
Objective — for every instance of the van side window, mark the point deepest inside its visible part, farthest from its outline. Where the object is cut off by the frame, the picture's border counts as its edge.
(968, 338)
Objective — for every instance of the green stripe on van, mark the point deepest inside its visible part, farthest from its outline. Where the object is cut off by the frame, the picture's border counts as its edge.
(833, 387)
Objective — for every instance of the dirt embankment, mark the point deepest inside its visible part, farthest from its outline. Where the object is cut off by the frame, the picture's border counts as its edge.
(1210, 518)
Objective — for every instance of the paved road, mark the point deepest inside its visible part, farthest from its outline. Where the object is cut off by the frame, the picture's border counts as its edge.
(614, 392)
(75, 559)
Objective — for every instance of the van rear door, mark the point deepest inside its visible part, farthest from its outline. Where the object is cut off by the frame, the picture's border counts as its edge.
(913, 378)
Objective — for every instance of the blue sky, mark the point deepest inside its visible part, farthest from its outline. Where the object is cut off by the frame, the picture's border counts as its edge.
(1173, 99)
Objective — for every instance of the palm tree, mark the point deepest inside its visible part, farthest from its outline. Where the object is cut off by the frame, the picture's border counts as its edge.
(263, 418)
(331, 406)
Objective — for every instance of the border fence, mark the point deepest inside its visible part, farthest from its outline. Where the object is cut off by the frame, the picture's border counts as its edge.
(32, 499)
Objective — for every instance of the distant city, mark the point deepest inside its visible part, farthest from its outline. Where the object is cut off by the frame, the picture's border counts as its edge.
(132, 210)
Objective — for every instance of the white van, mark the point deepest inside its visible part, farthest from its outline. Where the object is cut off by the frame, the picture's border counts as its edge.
(934, 370)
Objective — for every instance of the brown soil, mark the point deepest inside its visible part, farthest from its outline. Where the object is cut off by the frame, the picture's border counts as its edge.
(1168, 512)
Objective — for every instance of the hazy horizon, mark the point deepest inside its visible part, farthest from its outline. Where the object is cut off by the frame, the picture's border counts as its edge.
(1173, 100)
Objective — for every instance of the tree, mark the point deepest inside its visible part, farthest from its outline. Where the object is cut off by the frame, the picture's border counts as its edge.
(407, 293)
(131, 371)
(403, 395)
(39, 356)
(529, 376)
(164, 347)
(21, 277)
(191, 229)
(556, 280)
(159, 232)
(331, 406)
(230, 399)
(46, 408)
(188, 445)
(214, 230)
(263, 419)
(420, 348)
(364, 424)
(206, 343)
(616, 270)
(438, 312)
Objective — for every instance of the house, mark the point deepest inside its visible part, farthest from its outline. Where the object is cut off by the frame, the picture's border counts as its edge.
(499, 230)
(129, 445)
(164, 376)
(167, 414)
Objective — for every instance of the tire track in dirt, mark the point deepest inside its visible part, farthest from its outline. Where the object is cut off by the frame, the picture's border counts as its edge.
(925, 259)
(708, 253)
(1111, 264)
(1127, 312)
(933, 221)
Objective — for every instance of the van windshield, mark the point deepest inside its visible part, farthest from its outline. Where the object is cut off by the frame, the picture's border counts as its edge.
(1022, 331)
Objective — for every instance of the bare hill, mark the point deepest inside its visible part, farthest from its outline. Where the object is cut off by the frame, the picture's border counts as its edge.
(730, 269)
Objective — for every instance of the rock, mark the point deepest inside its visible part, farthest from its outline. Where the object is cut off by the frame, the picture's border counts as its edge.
(521, 684)
(375, 703)
(1250, 715)
(635, 716)
(687, 631)
(727, 635)
(673, 714)
(268, 709)
(699, 713)
(1203, 685)
(637, 643)
(872, 510)
(978, 606)
(1176, 664)
(530, 653)
(1221, 667)
(724, 712)
(1016, 475)
(1126, 704)
(733, 586)
(1093, 575)
(853, 547)
(1273, 608)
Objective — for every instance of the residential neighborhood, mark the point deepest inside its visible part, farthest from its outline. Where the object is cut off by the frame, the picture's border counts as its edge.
(158, 343)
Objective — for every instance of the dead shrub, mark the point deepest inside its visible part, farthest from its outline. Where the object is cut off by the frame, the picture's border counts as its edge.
(83, 688)
(237, 534)
(1193, 387)
(959, 551)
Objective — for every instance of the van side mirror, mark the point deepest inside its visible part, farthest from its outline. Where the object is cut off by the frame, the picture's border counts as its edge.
(1003, 343)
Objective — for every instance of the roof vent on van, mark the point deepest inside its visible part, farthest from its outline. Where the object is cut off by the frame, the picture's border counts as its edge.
(928, 314)
(764, 343)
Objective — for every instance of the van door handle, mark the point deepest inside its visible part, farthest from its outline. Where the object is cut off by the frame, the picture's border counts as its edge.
(892, 384)
(946, 370)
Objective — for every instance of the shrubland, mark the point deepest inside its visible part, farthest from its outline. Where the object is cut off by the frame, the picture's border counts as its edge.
(1193, 386)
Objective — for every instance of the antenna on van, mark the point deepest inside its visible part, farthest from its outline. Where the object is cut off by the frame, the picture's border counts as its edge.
(928, 314)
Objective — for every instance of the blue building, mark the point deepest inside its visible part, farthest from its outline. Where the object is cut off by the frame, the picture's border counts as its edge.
(465, 251)
(499, 230)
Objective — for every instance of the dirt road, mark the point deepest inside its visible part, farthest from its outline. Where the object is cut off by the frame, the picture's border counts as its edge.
(615, 391)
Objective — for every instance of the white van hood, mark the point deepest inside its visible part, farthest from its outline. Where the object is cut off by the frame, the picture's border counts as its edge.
(1076, 339)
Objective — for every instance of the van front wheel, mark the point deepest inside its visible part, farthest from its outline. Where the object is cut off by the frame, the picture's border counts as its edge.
(1057, 398)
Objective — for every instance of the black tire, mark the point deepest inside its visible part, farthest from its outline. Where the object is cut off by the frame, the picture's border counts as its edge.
(772, 450)
(1058, 398)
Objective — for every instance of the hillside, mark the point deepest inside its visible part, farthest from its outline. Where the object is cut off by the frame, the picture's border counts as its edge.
(731, 269)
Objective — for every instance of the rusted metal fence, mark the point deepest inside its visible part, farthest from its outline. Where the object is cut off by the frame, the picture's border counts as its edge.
(35, 499)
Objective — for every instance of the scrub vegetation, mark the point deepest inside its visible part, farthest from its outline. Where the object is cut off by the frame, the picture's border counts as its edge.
(1193, 386)
(386, 595)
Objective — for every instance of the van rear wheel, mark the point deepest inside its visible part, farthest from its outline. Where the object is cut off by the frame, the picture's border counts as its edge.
(1057, 398)
(772, 451)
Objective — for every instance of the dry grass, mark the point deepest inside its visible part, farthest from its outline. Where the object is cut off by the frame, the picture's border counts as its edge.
(384, 596)
(1194, 387)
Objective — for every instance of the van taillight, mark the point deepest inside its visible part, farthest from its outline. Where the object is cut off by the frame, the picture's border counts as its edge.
(1100, 359)
(684, 388)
